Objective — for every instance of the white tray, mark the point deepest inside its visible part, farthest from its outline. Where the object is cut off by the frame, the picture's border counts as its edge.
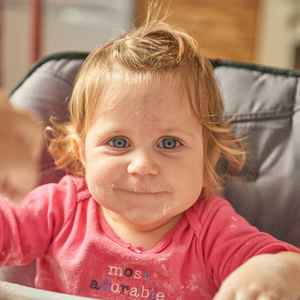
(11, 291)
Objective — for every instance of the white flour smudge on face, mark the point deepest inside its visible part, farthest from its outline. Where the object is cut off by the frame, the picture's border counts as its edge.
(101, 190)
(158, 202)
(169, 206)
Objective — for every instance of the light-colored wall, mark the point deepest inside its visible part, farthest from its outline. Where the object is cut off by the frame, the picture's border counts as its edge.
(278, 33)
(80, 25)
(67, 25)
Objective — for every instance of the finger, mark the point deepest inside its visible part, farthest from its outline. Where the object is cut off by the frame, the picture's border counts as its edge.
(271, 296)
(224, 295)
(22, 137)
(4, 99)
(13, 154)
(17, 183)
(236, 293)
(30, 132)
(25, 127)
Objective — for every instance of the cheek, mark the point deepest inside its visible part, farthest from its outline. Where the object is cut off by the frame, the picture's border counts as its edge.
(101, 176)
(190, 179)
(101, 190)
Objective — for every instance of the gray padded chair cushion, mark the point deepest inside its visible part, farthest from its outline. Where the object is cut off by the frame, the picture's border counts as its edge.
(45, 90)
(266, 104)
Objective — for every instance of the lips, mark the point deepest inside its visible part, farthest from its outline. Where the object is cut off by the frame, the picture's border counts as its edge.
(141, 191)
(142, 187)
(144, 192)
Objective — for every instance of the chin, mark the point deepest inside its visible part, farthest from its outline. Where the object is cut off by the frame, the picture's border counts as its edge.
(142, 220)
(147, 218)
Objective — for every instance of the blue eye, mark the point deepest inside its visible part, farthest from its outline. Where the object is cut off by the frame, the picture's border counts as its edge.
(169, 143)
(119, 143)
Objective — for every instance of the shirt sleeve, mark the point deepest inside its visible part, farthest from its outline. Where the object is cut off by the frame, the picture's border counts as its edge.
(229, 240)
(26, 231)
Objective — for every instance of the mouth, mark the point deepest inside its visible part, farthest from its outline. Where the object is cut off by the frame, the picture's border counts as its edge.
(143, 188)
(143, 192)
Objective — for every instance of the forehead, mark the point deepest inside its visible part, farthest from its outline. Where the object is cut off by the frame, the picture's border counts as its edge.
(138, 90)
(158, 105)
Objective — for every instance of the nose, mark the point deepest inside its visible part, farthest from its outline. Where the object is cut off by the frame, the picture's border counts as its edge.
(142, 164)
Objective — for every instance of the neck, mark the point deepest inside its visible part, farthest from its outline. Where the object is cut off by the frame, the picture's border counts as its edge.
(145, 236)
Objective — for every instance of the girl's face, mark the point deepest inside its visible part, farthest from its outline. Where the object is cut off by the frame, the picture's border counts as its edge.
(144, 158)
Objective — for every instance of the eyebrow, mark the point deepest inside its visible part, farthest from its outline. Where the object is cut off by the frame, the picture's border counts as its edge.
(164, 131)
(109, 131)
(175, 130)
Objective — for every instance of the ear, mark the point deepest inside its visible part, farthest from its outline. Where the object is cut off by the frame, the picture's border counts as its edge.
(78, 150)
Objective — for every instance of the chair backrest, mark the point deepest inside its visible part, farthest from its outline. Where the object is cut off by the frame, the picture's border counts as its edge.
(45, 89)
(266, 103)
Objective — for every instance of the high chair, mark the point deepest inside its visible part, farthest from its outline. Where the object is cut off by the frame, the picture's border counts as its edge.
(266, 104)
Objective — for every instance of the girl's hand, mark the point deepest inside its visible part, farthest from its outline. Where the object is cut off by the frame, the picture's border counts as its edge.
(264, 277)
(21, 141)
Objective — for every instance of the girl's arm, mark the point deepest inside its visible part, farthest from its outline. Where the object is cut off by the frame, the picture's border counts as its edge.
(264, 277)
(21, 142)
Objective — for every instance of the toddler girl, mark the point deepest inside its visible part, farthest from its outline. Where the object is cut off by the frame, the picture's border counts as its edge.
(142, 217)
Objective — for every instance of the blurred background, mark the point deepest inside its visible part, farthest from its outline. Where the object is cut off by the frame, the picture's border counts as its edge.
(253, 31)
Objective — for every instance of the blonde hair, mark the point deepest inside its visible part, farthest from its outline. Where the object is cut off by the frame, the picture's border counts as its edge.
(151, 50)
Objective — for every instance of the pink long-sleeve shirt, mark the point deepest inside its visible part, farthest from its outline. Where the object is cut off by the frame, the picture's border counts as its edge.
(78, 253)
